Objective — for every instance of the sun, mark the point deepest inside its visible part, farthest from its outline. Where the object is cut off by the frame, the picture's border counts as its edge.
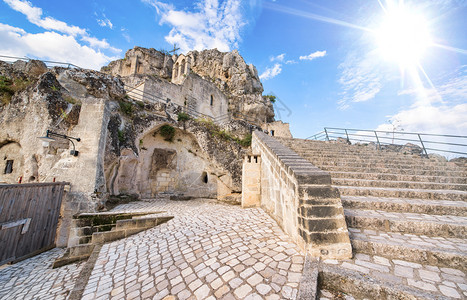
(403, 36)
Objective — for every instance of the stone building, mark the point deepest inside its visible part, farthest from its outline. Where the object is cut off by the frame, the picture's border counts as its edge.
(122, 119)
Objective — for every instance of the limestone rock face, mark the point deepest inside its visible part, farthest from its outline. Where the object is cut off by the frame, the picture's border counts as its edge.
(239, 81)
(141, 61)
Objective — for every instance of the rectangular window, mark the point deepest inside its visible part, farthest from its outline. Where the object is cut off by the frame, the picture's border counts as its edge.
(8, 167)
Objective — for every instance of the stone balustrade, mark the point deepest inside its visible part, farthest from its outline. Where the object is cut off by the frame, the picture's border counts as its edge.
(300, 198)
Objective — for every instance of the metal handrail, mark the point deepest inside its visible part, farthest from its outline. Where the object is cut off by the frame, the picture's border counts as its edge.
(379, 137)
(68, 65)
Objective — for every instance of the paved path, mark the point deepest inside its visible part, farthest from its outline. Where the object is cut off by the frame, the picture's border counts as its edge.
(34, 278)
(208, 251)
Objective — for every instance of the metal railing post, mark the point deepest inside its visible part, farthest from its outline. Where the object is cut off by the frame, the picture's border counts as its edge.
(327, 136)
(423, 146)
(377, 140)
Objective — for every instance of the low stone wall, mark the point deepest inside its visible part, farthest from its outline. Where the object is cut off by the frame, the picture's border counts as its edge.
(300, 198)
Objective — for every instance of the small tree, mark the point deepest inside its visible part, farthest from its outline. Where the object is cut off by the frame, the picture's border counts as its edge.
(271, 98)
(167, 132)
(183, 117)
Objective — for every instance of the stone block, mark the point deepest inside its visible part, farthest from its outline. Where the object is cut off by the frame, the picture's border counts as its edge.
(322, 225)
(321, 211)
(318, 191)
(109, 236)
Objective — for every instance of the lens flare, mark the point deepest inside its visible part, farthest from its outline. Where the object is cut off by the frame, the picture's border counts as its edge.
(403, 36)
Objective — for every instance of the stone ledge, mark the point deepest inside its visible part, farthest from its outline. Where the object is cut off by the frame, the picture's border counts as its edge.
(316, 205)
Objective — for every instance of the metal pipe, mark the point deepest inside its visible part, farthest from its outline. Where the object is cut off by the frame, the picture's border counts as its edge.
(426, 154)
(377, 140)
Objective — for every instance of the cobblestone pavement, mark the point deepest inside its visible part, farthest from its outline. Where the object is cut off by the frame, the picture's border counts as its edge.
(446, 281)
(34, 278)
(208, 251)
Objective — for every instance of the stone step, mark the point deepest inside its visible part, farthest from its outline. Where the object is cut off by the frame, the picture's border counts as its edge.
(387, 192)
(381, 160)
(435, 251)
(375, 277)
(345, 150)
(420, 206)
(398, 184)
(398, 177)
(411, 223)
(382, 165)
(402, 171)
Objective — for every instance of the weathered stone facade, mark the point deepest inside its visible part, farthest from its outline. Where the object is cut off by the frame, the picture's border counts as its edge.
(66, 101)
(239, 90)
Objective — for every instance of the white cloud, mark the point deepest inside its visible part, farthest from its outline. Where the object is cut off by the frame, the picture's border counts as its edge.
(360, 79)
(440, 111)
(213, 24)
(125, 34)
(271, 72)
(279, 57)
(34, 15)
(442, 119)
(49, 46)
(59, 42)
(313, 55)
(101, 44)
(105, 22)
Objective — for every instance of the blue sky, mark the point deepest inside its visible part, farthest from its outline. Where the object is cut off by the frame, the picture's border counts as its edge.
(327, 61)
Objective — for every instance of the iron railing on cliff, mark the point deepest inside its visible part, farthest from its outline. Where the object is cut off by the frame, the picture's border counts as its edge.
(48, 63)
(428, 142)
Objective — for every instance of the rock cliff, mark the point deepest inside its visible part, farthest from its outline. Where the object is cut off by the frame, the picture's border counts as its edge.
(142, 61)
(238, 81)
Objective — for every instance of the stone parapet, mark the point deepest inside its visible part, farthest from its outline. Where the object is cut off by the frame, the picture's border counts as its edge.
(299, 196)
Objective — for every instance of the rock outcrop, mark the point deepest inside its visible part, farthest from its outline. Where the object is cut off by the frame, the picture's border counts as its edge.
(142, 61)
(239, 81)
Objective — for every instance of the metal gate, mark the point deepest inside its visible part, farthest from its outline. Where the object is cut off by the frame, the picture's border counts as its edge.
(28, 218)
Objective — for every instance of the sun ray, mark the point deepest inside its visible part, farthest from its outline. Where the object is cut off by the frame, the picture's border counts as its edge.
(449, 48)
(312, 16)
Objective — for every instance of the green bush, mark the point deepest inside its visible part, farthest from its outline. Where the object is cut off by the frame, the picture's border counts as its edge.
(246, 141)
(183, 117)
(271, 98)
(167, 132)
(8, 87)
(126, 107)
(121, 136)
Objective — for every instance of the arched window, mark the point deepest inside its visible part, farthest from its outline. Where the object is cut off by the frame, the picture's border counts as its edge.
(182, 67)
(212, 100)
(176, 70)
(204, 177)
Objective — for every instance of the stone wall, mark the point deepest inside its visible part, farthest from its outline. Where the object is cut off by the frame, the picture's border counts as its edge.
(300, 198)
(251, 181)
(66, 101)
(178, 166)
(278, 128)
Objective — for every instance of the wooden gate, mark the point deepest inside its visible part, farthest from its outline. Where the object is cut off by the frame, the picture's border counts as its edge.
(28, 218)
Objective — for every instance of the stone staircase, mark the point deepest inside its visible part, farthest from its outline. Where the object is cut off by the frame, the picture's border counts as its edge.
(407, 218)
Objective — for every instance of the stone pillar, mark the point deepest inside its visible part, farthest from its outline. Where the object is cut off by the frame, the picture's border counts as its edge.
(251, 181)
